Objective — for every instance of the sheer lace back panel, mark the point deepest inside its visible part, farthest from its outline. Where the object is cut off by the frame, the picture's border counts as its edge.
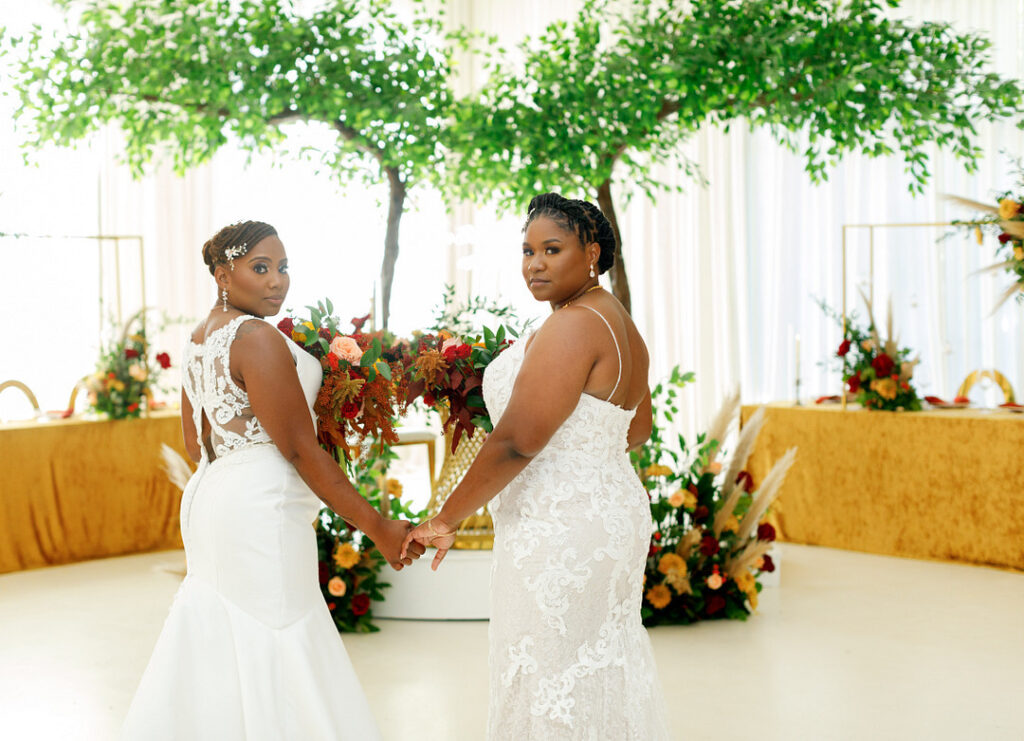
(210, 389)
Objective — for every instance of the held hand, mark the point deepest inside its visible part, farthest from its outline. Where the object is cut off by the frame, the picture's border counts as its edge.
(433, 532)
(389, 542)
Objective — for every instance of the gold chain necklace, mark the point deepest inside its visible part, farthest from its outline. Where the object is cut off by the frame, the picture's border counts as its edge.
(574, 300)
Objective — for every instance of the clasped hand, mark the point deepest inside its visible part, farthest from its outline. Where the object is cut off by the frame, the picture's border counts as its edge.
(391, 542)
(433, 532)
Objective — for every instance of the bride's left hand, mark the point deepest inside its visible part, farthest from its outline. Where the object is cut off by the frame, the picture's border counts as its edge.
(433, 532)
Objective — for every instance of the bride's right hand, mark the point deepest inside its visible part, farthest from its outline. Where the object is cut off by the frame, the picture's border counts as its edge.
(390, 542)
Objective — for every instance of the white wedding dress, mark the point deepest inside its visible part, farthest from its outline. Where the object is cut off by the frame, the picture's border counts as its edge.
(249, 650)
(569, 656)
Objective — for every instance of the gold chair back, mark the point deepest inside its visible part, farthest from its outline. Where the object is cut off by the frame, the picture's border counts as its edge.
(476, 532)
(12, 384)
(998, 378)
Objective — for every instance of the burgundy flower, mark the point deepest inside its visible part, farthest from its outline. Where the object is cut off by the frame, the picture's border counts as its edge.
(286, 325)
(709, 545)
(745, 480)
(349, 410)
(853, 383)
(358, 322)
(331, 606)
(701, 513)
(361, 604)
(457, 352)
(715, 604)
(844, 347)
(164, 360)
(765, 532)
(325, 333)
(883, 365)
(325, 573)
(767, 566)
(129, 353)
(653, 550)
(429, 399)
(1004, 238)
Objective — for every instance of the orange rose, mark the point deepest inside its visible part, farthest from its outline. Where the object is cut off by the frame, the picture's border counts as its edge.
(659, 596)
(336, 586)
(347, 349)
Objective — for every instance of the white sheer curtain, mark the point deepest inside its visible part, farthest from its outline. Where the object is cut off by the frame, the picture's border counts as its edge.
(722, 277)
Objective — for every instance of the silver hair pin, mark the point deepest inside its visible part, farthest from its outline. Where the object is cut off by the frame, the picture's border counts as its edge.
(232, 252)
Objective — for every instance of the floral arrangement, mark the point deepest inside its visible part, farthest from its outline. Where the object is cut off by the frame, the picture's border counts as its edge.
(1006, 222)
(709, 545)
(877, 372)
(124, 374)
(365, 383)
(350, 568)
(448, 372)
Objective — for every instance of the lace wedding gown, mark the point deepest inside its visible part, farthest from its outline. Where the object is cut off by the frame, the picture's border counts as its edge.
(569, 656)
(249, 650)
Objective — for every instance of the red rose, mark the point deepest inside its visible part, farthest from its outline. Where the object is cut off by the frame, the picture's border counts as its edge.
(904, 385)
(657, 536)
(133, 406)
(701, 512)
(429, 400)
(715, 604)
(844, 347)
(709, 545)
(765, 532)
(129, 353)
(692, 488)
(325, 574)
(349, 410)
(164, 360)
(331, 606)
(360, 604)
(325, 333)
(745, 480)
(457, 352)
(853, 383)
(767, 566)
(286, 325)
(653, 550)
(883, 365)
(332, 360)
(1004, 238)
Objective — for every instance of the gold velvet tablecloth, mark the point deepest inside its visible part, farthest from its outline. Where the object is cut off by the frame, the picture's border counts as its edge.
(73, 490)
(937, 484)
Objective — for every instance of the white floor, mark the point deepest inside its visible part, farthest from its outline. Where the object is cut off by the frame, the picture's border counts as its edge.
(849, 646)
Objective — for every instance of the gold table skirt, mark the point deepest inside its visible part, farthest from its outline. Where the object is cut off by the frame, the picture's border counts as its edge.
(939, 484)
(74, 490)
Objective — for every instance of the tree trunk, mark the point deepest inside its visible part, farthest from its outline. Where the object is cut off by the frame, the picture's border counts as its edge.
(396, 204)
(620, 283)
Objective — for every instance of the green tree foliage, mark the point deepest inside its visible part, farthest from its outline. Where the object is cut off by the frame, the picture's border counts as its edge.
(598, 99)
(181, 76)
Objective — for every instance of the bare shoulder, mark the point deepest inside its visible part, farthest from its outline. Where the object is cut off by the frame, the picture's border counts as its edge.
(566, 328)
(260, 338)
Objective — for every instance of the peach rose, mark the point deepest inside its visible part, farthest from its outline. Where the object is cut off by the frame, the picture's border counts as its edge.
(677, 499)
(347, 349)
(715, 581)
(136, 371)
(336, 586)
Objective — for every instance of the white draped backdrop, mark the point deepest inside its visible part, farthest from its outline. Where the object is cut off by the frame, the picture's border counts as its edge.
(723, 277)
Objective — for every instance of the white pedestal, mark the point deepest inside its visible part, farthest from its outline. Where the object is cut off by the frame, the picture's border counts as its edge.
(460, 589)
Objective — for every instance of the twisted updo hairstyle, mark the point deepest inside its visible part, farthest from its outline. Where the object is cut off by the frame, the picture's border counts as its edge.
(582, 218)
(244, 234)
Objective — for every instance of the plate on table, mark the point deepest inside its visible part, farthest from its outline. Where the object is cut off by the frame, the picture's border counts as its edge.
(960, 402)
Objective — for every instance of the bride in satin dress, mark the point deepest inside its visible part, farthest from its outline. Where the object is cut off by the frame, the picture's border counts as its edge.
(569, 657)
(249, 651)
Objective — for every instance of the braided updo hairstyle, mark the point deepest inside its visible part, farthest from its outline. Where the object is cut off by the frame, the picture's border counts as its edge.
(580, 217)
(244, 233)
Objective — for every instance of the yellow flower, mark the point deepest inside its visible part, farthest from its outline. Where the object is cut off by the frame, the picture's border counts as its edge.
(867, 345)
(299, 335)
(752, 599)
(115, 384)
(887, 388)
(671, 562)
(679, 582)
(393, 487)
(336, 586)
(689, 500)
(1008, 208)
(346, 556)
(657, 470)
(731, 525)
(978, 235)
(1018, 253)
(745, 581)
(678, 498)
(659, 596)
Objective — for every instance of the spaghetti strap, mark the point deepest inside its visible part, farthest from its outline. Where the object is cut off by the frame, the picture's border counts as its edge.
(617, 351)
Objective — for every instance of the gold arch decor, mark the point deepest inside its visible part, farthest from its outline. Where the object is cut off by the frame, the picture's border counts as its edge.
(476, 532)
(13, 384)
(871, 260)
(998, 378)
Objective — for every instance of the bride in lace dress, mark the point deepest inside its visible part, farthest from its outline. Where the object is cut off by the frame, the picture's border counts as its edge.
(249, 650)
(569, 656)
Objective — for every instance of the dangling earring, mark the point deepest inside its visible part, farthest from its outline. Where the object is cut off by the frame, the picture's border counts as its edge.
(224, 297)
(592, 272)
